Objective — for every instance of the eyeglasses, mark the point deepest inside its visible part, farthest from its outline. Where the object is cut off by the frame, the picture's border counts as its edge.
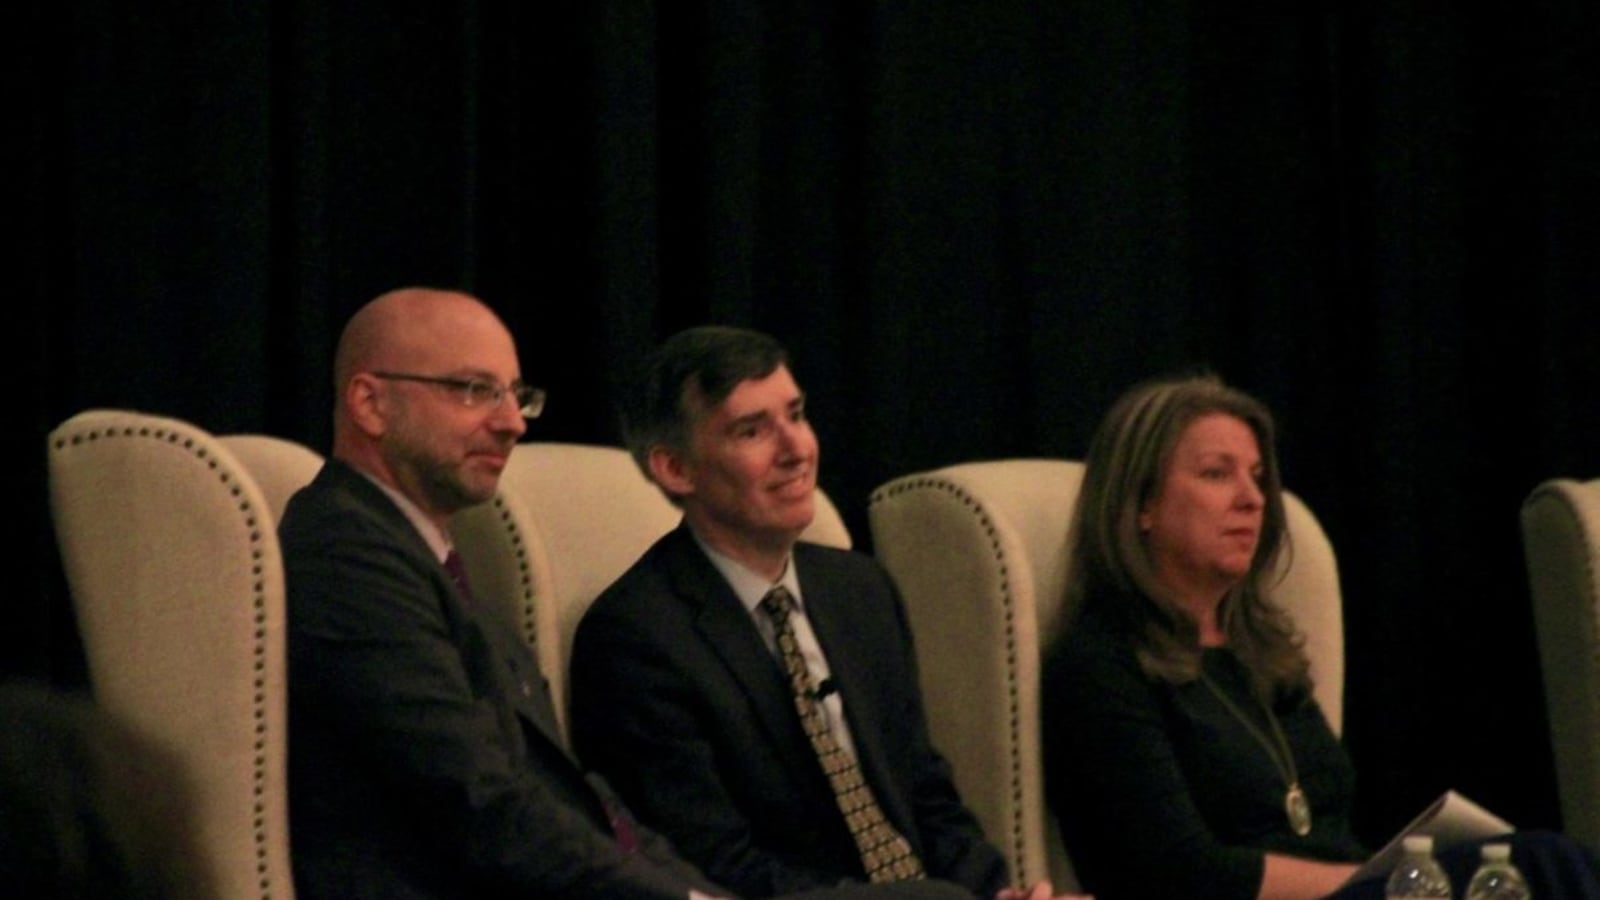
(475, 393)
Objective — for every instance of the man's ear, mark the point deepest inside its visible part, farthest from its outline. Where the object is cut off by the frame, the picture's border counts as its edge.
(366, 405)
(670, 470)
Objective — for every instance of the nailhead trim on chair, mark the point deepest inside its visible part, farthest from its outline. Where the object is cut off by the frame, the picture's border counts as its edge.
(530, 623)
(1014, 772)
(259, 652)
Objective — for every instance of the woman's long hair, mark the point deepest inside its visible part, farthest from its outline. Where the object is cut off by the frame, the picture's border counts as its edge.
(1111, 566)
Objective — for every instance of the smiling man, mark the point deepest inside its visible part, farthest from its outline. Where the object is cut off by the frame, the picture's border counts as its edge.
(755, 697)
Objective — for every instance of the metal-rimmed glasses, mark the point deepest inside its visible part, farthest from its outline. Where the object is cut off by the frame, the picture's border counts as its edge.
(480, 393)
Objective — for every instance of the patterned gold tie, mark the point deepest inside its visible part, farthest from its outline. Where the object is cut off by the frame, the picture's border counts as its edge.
(885, 853)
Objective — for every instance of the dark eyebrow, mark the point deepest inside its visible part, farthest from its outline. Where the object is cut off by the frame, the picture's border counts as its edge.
(1211, 456)
(751, 419)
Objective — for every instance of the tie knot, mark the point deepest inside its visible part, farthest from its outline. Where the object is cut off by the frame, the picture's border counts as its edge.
(777, 603)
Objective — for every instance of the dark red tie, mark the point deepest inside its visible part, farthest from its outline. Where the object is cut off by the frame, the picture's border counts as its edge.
(458, 574)
(627, 838)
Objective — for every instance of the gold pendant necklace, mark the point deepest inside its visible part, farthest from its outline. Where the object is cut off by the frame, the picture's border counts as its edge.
(1295, 803)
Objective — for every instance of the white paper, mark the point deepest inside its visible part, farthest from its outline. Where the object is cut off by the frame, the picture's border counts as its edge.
(1451, 819)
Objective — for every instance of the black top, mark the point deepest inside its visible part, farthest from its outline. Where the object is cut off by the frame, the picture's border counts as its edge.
(1162, 791)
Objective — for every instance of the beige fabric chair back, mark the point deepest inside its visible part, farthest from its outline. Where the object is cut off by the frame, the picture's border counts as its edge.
(280, 467)
(1561, 541)
(568, 520)
(171, 554)
(979, 552)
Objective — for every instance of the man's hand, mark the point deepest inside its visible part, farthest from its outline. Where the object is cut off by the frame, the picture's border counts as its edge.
(1038, 891)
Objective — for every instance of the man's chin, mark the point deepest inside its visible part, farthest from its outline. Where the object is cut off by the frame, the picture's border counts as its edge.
(799, 517)
(475, 491)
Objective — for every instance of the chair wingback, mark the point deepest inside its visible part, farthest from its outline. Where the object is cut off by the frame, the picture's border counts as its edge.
(170, 551)
(1309, 591)
(1561, 544)
(567, 521)
(279, 466)
(979, 551)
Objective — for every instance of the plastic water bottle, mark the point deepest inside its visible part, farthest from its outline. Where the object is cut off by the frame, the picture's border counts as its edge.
(1418, 874)
(1497, 877)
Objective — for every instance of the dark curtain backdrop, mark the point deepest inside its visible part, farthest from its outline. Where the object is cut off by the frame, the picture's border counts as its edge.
(975, 224)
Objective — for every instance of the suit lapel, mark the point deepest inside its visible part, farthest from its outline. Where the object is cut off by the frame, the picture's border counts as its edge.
(529, 695)
(532, 697)
(830, 600)
(727, 627)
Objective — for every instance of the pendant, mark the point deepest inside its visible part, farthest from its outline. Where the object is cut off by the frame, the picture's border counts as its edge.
(1299, 810)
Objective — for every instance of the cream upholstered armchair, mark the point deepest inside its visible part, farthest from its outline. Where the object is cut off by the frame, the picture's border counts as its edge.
(567, 521)
(279, 466)
(169, 545)
(979, 551)
(1561, 543)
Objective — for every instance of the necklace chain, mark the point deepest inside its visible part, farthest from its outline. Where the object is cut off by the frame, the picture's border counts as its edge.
(1296, 806)
(1277, 748)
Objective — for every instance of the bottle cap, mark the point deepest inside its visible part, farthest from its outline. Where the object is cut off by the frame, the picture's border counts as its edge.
(1497, 851)
(1418, 843)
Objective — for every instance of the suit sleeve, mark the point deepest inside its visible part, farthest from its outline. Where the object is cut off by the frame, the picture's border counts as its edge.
(379, 664)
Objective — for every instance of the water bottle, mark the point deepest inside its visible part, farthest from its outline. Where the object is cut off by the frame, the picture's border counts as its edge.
(1418, 874)
(1497, 877)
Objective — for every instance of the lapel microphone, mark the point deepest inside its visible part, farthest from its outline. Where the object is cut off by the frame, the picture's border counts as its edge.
(825, 689)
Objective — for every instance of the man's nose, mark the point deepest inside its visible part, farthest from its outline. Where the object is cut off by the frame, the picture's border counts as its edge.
(792, 438)
(506, 418)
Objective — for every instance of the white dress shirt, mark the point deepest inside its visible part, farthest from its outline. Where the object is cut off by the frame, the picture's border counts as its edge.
(750, 588)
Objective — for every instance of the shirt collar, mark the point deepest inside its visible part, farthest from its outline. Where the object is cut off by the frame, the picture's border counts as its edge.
(748, 586)
(437, 539)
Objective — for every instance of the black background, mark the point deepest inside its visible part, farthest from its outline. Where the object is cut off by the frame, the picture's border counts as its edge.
(974, 224)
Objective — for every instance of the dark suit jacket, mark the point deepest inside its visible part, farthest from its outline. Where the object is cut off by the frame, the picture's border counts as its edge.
(423, 756)
(677, 700)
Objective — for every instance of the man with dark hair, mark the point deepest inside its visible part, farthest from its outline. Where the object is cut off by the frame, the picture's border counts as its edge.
(753, 696)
